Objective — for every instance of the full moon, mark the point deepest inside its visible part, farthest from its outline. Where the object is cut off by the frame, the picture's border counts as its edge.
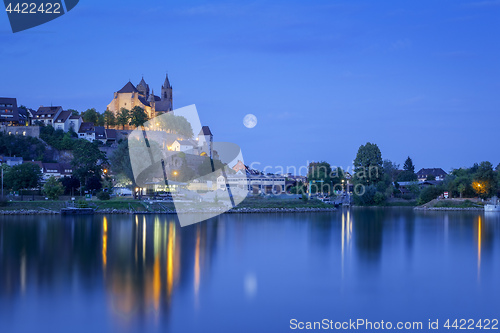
(250, 121)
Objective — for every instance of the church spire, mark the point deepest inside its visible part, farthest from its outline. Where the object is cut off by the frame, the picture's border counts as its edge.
(166, 84)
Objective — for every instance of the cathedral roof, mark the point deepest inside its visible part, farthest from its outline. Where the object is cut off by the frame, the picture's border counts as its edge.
(205, 130)
(144, 101)
(128, 88)
(143, 83)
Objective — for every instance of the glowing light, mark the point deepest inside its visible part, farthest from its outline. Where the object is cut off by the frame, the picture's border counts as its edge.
(104, 243)
(479, 229)
(197, 264)
(170, 259)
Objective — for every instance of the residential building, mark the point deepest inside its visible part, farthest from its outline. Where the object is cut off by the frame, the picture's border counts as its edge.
(267, 184)
(437, 173)
(9, 113)
(62, 121)
(184, 145)
(74, 123)
(47, 114)
(57, 170)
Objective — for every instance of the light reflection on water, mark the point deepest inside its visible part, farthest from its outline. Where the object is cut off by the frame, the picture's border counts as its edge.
(145, 273)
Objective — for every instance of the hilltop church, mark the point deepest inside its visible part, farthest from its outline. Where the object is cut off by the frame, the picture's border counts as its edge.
(130, 96)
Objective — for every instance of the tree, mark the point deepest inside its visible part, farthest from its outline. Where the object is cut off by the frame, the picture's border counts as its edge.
(175, 124)
(408, 166)
(205, 168)
(100, 119)
(319, 176)
(390, 169)
(461, 189)
(484, 180)
(138, 116)
(74, 112)
(120, 163)
(23, 176)
(429, 193)
(408, 174)
(123, 117)
(87, 160)
(53, 188)
(90, 116)
(368, 164)
(109, 118)
(70, 184)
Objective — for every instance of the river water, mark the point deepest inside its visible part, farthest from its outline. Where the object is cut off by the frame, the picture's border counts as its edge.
(248, 272)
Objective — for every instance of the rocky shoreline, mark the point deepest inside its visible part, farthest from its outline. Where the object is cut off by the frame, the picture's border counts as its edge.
(126, 211)
(449, 209)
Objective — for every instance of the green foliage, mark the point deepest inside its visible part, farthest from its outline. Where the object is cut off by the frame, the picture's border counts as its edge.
(318, 176)
(82, 204)
(70, 184)
(57, 138)
(407, 176)
(138, 116)
(430, 177)
(23, 176)
(368, 164)
(28, 148)
(429, 193)
(175, 124)
(408, 166)
(91, 116)
(120, 162)
(379, 198)
(485, 180)
(300, 188)
(87, 160)
(391, 169)
(93, 184)
(366, 197)
(53, 188)
(123, 117)
(74, 112)
(109, 118)
(205, 167)
(103, 195)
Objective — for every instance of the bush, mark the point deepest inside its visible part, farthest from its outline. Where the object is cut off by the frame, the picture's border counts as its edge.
(429, 193)
(367, 198)
(101, 195)
(82, 204)
(379, 198)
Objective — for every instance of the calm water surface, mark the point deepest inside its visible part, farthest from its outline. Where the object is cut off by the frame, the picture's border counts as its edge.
(246, 273)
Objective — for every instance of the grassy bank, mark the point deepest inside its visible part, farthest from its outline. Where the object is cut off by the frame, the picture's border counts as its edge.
(453, 203)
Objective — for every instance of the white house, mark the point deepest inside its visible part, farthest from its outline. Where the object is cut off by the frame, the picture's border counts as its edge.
(62, 121)
(254, 183)
(183, 145)
(47, 114)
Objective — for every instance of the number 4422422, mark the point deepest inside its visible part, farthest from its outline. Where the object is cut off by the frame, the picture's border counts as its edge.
(471, 324)
(33, 8)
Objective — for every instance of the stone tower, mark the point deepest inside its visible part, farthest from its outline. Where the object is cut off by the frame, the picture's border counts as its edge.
(143, 88)
(166, 91)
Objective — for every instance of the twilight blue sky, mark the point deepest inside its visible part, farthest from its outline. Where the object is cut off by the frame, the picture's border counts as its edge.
(323, 77)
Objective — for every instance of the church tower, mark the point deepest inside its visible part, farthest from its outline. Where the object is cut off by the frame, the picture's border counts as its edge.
(143, 88)
(166, 92)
